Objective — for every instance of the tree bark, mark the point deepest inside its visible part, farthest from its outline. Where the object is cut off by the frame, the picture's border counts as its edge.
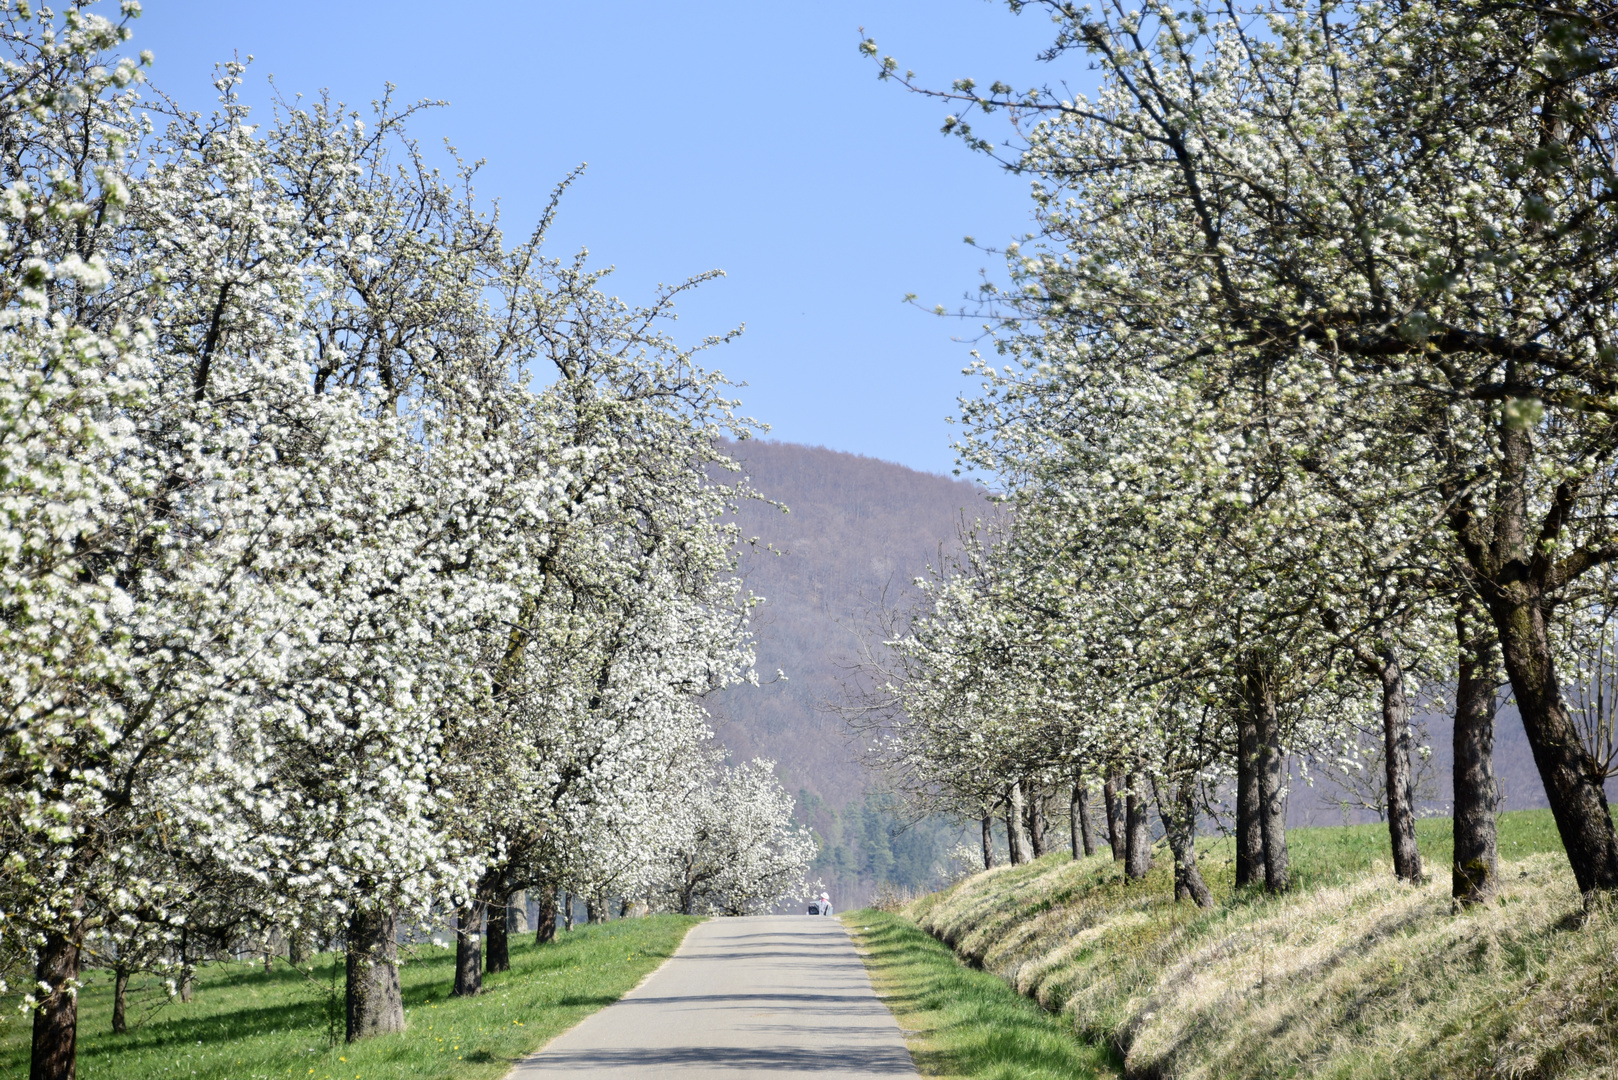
(1396, 758)
(1036, 821)
(54, 1052)
(592, 911)
(1137, 830)
(1179, 814)
(1115, 825)
(1475, 875)
(1014, 826)
(375, 1005)
(187, 974)
(120, 1000)
(1272, 795)
(298, 949)
(517, 912)
(546, 916)
(468, 948)
(1249, 828)
(567, 909)
(988, 841)
(497, 953)
(1079, 815)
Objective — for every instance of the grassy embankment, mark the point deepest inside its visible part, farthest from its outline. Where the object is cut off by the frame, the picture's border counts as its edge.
(245, 1024)
(1349, 975)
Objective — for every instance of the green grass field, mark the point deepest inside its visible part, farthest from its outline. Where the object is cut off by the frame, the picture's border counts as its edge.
(244, 1024)
(962, 1023)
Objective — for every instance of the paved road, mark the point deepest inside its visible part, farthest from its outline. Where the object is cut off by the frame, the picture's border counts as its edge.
(760, 998)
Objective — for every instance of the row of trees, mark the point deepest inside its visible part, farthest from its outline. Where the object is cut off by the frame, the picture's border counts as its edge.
(354, 565)
(1303, 396)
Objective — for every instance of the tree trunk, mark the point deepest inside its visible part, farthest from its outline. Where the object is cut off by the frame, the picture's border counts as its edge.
(120, 1000)
(1179, 814)
(1115, 824)
(567, 909)
(1137, 830)
(1079, 822)
(497, 955)
(53, 1055)
(1249, 828)
(187, 979)
(1396, 757)
(546, 916)
(298, 949)
(1475, 875)
(1573, 781)
(468, 948)
(1017, 836)
(592, 913)
(1036, 821)
(375, 1005)
(1272, 794)
(988, 841)
(517, 912)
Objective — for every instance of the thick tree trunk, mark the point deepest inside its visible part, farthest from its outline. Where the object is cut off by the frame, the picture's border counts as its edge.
(375, 1005)
(1249, 828)
(592, 912)
(1017, 836)
(1079, 821)
(1115, 814)
(517, 912)
(468, 948)
(1137, 830)
(1179, 814)
(1272, 795)
(1573, 781)
(1396, 758)
(120, 1000)
(497, 954)
(54, 1052)
(546, 916)
(988, 841)
(1036, 821)
(1475, 875)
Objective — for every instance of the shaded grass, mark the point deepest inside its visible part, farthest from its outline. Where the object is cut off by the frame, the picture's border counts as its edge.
(246, 1024)
(962, 1023)
(1348, 975)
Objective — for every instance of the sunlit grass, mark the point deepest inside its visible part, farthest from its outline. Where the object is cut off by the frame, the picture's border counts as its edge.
(246, 1024)
(962, 1023)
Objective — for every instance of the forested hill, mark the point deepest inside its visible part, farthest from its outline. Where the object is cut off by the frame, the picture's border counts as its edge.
(853, 527)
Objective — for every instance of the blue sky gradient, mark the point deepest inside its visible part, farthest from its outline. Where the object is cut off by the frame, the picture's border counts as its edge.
(750, 137)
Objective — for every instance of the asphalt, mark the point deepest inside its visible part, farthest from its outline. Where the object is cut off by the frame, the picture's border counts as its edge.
(760, 998)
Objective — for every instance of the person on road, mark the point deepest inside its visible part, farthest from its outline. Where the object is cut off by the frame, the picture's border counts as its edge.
(825, 904)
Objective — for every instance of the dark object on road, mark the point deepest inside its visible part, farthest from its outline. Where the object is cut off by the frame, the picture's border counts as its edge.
(814, 909)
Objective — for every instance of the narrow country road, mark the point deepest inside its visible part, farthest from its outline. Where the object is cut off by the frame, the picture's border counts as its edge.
(766, 997)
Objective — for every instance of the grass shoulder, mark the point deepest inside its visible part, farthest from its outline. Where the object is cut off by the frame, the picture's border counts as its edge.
(962, 1023)
(248, 1024)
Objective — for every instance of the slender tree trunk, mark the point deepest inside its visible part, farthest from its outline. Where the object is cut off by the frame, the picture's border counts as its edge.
(1272, 793)
(517, 912)
(988, 841)
(1249, 826)
(1179, 814)
(1137, 830)
(497, 954)
(1475, 875)
(1083, 829)
(187, 983)
(1396, 757)
(375, 1005)
(567, 909)
(298, 948)
(1014, 826)
(1573, 781)
(1115, 814)
(546, 916)
(1036, 821)
(54, 1053)
(120, 1000)
(468, 948)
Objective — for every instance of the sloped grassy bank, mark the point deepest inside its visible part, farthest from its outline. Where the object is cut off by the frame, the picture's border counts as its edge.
(1350, 975)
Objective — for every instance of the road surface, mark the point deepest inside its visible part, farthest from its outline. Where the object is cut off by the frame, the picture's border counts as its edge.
(761, 998)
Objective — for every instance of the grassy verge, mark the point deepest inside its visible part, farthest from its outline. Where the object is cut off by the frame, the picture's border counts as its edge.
(1349, 975)
(962, 1023)
(246, 1024)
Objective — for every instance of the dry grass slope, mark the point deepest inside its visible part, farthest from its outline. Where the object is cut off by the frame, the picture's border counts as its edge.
(1351, 976)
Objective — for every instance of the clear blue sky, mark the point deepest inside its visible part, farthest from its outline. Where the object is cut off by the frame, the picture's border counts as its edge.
(747, 136)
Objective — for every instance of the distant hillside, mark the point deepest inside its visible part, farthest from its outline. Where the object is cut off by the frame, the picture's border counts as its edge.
(854, 526)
